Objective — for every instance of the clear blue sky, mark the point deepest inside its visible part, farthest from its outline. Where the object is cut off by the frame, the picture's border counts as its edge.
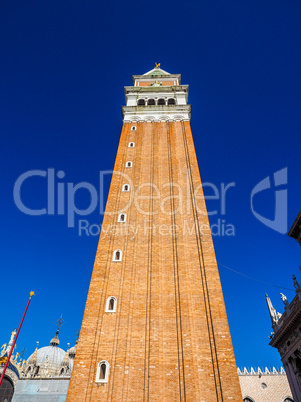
(63, 68)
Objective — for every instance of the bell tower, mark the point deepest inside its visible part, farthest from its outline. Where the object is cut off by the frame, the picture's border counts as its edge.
(155, 325)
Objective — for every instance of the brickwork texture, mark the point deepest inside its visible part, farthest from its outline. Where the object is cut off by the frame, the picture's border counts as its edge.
(169, 338)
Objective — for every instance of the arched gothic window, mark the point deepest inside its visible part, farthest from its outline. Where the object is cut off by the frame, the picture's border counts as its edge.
(102, 372)
(122, 217)
(151, 102)
(171, 101)
(161, 101)
(117, 255)
(131, 145)
(141, 102)
(126, 187)
(111, 304)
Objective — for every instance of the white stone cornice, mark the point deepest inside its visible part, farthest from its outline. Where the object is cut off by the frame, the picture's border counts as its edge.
(159, 77)
(156, 113)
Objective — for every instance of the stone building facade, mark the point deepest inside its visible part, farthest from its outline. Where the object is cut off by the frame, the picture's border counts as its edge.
(264, 385)
(45, 376)
(13, 371)
(295, 230)
(286, 337)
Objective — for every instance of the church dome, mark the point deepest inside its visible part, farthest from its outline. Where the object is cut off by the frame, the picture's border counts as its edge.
(53, 355)
(49, 357)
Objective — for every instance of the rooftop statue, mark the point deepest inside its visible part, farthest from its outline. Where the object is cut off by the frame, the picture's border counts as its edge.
(284, 299)
(296, 284)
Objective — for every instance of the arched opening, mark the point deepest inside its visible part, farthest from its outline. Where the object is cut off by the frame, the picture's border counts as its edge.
(141, 102)
(6, 389)
(126, 187)
(161, 101)
(298, 364)
(28, 372)
(102, 371)
(247, 399)
(151, 102)
(131, 145)
(133, 128)
(171, 101)
(129, 164)
(111, 304)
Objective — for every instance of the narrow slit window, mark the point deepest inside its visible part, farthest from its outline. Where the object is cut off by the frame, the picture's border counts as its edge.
(129, 164)
(117, 255)
(122, 217)
(133, 128)
(103, 369)
(102, 372)
(131, 145)
(126, 188)
(111, 304)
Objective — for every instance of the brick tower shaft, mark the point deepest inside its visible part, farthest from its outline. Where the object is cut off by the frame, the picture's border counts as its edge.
(155, 326)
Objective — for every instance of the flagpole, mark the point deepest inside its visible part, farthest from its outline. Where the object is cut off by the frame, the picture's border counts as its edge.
(14, 342)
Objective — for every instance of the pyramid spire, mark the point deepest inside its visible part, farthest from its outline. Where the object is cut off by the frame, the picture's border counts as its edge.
(157, 70)
(33, 359)
(65, 361)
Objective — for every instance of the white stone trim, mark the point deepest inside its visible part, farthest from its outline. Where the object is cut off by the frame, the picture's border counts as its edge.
(131, 118)
(245, 397)
(156, 113)
(288, 397)
(108, 304)
(11, 375)
(102, 380)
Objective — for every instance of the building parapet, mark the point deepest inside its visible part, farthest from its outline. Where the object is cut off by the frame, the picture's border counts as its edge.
(261, 371)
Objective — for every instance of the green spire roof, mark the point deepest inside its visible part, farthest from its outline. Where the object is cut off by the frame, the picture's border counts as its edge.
(157, 71)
